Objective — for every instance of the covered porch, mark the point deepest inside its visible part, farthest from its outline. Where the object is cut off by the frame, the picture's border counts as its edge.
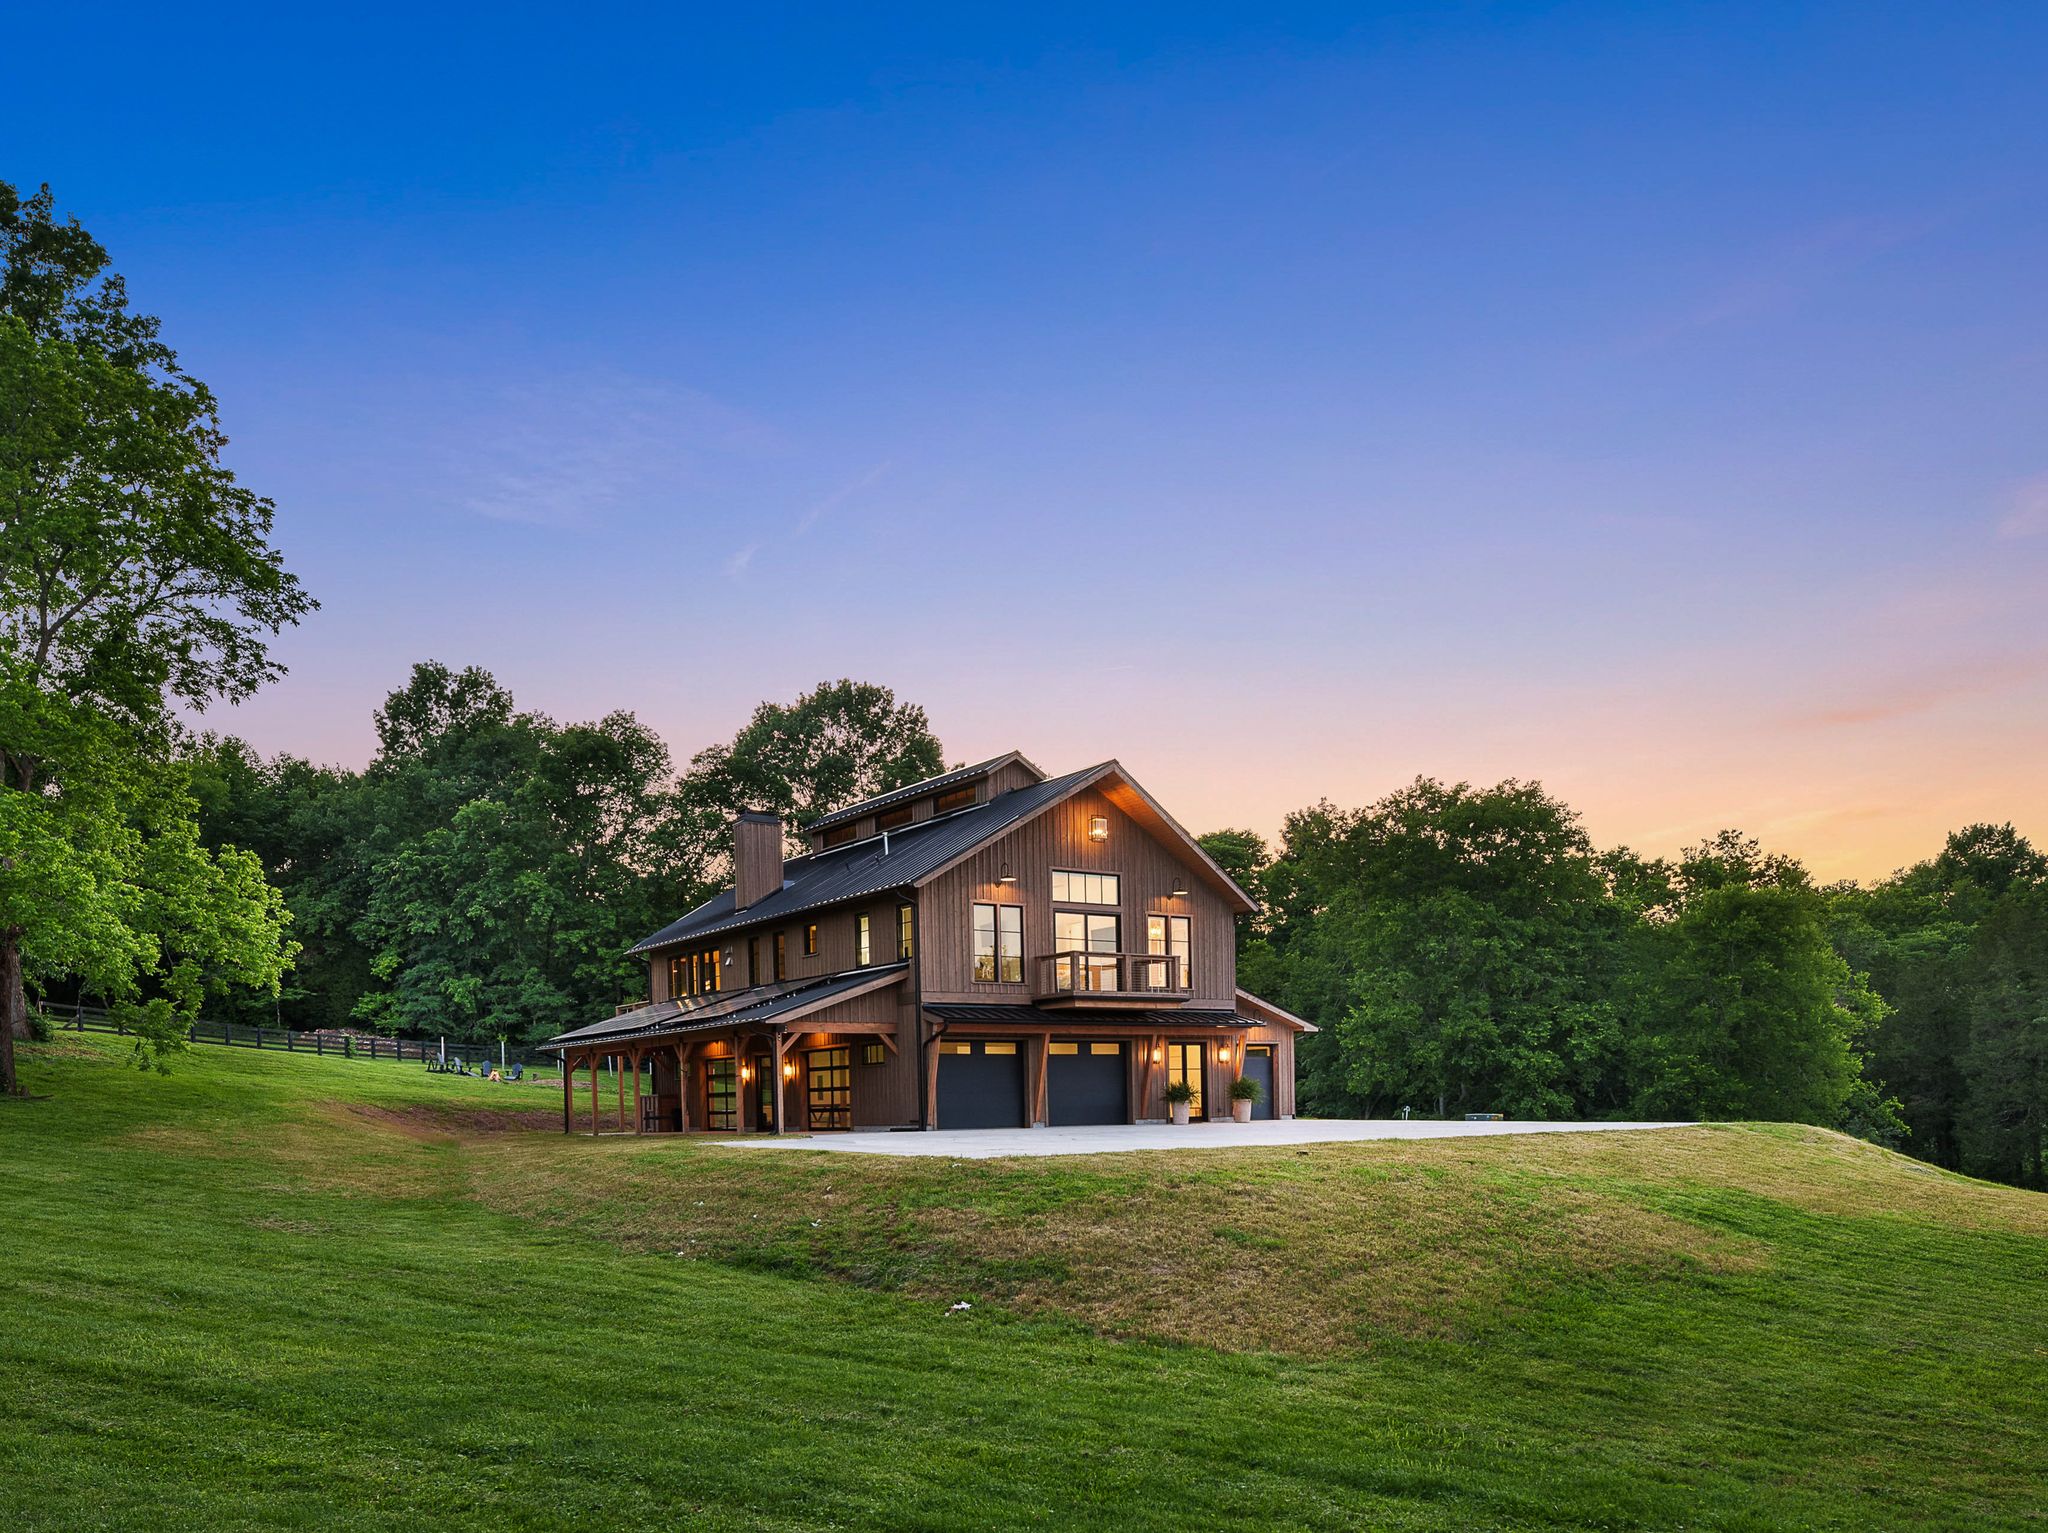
(773, 1060)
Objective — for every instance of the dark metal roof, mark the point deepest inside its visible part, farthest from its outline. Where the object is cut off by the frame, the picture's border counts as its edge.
(1128, 1021)
(937, 784)
(764, 1003)
(867, 867)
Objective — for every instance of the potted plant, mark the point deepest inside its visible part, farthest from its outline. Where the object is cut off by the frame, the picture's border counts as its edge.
(1244, 1091)
(1178, 1095)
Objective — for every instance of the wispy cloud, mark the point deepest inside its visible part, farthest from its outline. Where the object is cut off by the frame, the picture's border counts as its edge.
(740, 561)
(1779, 276)
(571, 451)
(823, 508)
(2026, 513)
(1905, 696)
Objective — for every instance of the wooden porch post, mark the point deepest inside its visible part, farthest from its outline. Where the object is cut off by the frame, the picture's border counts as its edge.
(1040, 1047)
(931, 1095)
(567, 1088)
(782, 1043)
(636, 1091)
(591, 1060)
(682, 1086)
(619, 1080)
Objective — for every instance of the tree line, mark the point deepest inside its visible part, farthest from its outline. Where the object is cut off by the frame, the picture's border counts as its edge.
(1461, 949)
(1468, 949)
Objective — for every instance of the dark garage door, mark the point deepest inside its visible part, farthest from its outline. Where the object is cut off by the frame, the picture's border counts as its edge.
(1085, 1083)
(981, 1084)
(1258, 1066)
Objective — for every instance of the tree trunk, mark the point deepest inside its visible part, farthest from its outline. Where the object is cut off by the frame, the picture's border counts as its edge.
(13, 1007)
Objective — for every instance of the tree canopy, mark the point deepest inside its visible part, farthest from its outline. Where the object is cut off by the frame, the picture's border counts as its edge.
(136, 574)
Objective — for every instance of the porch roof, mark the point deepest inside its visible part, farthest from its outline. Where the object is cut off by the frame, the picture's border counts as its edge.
(764, 1004)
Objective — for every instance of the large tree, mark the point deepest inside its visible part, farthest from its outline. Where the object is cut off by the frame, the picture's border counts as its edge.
(838, 743)
(136, 575)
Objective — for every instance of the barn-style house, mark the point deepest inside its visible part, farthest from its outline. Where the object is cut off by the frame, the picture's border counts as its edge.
(991, 948)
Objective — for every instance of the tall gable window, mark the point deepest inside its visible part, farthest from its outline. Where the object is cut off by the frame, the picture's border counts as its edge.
(1085, 888)
(782, 955)
(863, 948)
(906, 938)
(998, 944)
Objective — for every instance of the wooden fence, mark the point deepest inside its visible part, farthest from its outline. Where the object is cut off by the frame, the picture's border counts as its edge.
(92, 1019)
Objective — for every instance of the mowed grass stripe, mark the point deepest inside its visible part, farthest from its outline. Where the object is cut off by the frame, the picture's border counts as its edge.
(229, 1303)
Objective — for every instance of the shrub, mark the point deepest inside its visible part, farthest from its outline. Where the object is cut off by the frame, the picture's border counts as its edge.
(1245, 1089)
(1180, 1091)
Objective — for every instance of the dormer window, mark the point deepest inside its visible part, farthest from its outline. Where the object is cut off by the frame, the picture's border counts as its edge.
(889, 819)
(838, 835)
(959, 798)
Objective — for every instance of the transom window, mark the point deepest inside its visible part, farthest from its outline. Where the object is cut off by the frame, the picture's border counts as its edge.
(1084, 888)
(998, 944)
(1171, 937)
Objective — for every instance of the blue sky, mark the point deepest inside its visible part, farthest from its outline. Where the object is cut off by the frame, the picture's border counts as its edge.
(1288, 401)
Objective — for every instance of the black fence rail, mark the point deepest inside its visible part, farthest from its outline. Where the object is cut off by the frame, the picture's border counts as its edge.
(472, 1058)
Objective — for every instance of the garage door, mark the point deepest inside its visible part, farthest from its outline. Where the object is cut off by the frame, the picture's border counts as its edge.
(1258, 1066)
(1085, 1083)
(981, 1084)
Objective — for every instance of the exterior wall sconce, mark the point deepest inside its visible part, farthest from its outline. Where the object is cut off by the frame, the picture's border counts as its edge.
(746, 1073)
(1180, 887)
(1157, 1055)
(789, 1069)
(1007, 876)
(1098, 827)
(1223, 1054)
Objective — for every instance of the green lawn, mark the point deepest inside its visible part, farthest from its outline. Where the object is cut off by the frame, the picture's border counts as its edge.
(272, 1291)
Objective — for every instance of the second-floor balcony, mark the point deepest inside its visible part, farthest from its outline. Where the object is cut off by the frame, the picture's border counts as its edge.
(1107, 979)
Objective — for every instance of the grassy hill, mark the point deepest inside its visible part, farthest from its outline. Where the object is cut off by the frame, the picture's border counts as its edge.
(271, 1291)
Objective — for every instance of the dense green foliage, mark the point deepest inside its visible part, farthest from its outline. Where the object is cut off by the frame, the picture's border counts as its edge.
(282, 1292)
(485, 875)
(136, 575)
(1469, 950)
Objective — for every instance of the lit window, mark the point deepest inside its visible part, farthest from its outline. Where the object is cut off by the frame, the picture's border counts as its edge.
(905, 938)
(1105, 1048)
(998, 944)
(1084, 888)
(782, 955)
(956, 1048)
(861, 952)
(811, 940)
(1063, 1048)
(874, 1054)
(1170, 937)
(999, 1048)
(1091, 932)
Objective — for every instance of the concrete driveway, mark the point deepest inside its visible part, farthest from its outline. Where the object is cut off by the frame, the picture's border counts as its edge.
(994, 1143)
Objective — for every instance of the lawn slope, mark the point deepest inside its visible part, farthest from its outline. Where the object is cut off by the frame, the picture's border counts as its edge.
(285, 1292)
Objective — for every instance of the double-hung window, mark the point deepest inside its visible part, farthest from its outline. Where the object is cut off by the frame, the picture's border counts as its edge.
(998, 944)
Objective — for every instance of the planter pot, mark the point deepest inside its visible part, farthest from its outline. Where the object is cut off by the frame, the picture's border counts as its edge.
(1241, 1111)
(1180, 1114)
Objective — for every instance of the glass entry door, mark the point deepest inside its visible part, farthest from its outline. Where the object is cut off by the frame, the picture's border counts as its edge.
(829, 1087)
(1184, 1063)
(722, 1093)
